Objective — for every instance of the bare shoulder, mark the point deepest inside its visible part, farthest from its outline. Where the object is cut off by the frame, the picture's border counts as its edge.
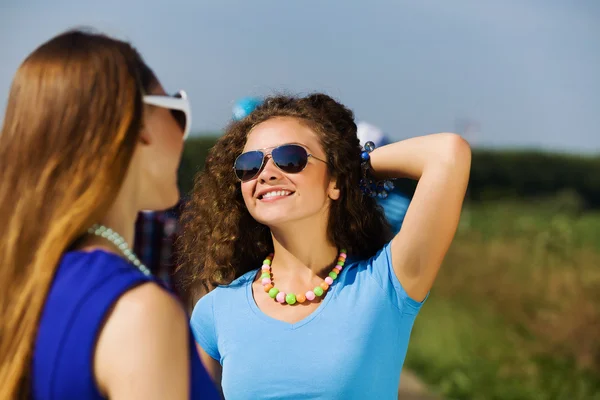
(148, 305)
(146, 309)
(146, 331)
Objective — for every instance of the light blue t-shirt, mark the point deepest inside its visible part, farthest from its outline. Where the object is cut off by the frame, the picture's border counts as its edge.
(394, 208)
(351, 347)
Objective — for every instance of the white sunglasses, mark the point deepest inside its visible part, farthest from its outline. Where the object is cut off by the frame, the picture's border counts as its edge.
(179, 106)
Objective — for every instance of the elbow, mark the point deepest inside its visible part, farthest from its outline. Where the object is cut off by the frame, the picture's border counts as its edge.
(456, 150)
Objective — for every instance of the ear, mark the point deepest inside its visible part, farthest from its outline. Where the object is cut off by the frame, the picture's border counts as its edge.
(332, 190)
(145, 136)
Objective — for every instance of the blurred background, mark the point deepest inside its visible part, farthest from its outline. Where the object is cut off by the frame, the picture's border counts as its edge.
(515, 313)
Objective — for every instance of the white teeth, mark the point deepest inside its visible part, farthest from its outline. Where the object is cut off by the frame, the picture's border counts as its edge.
(276, 193)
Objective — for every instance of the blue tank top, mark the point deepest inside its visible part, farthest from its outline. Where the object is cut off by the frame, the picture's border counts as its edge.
(85, 287)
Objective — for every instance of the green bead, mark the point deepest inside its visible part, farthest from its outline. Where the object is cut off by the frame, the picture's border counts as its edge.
(333, 275)
(265, 275)
(318, 291)
(343, 251)
(290, 298)
(273, 292)
(267, 262)
(340, 263)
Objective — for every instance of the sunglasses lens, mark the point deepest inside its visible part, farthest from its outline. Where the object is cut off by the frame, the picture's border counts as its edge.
(180, 118)
(290, 158)
(248, 165)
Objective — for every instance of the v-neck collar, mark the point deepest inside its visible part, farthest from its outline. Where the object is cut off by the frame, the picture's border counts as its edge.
(331, 292)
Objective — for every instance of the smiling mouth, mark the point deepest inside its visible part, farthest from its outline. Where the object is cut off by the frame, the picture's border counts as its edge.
(277, 194)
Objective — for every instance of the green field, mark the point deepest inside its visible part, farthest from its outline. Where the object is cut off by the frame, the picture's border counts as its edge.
(515, 312)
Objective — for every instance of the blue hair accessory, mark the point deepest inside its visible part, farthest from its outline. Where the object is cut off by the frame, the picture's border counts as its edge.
(368, 185)
(244, 106)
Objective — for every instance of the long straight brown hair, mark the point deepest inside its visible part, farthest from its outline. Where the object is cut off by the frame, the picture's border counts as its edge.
(72, 122)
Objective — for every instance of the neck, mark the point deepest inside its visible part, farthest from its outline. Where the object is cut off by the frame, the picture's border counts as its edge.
(123, 223)
(303, 250)
(121, 217)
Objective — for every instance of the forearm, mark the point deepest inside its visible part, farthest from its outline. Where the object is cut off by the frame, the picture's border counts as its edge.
(412, 157)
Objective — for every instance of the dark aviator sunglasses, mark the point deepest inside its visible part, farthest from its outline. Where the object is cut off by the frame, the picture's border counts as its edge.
(289, 158)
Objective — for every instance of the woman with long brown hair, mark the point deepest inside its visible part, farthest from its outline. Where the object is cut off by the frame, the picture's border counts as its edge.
(89, 139)
(311, 296)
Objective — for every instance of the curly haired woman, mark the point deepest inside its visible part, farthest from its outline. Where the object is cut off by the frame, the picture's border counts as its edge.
(310, 296)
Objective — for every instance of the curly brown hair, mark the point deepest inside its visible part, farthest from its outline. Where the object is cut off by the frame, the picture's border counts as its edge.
(221, 241)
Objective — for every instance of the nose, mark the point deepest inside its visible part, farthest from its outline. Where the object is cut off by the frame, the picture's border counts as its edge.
(270, 172)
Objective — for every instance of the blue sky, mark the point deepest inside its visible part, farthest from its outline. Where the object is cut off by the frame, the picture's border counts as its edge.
(524, 73)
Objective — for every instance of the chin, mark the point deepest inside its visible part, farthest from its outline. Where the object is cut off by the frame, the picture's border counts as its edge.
(164, 201)
(275, 218)
(174, 200)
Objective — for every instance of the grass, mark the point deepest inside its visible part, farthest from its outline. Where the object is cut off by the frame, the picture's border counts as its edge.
(515, 312)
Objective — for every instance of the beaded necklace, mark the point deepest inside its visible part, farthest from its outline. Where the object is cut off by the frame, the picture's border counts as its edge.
(118, 240)
(291, 298)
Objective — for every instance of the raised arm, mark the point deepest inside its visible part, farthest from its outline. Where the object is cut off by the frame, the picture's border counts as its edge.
(441, 163)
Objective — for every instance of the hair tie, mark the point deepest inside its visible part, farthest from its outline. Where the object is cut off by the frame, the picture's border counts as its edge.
(368, 184)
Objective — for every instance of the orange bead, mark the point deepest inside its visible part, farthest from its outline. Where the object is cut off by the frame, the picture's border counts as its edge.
(300, 298)
(268, 287)
(324, 285)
